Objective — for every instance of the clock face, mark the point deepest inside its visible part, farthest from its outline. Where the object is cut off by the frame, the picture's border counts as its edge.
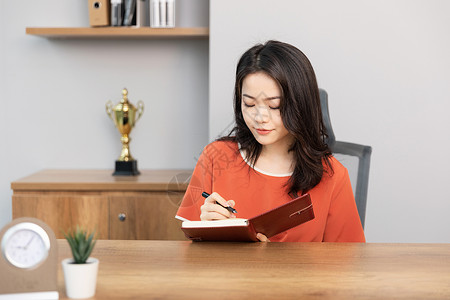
(25, 245)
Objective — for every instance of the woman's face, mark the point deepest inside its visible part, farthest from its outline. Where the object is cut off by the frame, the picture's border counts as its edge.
(260, 103)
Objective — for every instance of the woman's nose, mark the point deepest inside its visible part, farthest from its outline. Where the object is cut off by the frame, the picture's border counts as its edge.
(262, 115)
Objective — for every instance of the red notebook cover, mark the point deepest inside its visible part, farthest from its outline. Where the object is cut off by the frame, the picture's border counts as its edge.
(270, 223)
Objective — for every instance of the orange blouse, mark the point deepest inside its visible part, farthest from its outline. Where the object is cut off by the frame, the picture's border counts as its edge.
(221, 168)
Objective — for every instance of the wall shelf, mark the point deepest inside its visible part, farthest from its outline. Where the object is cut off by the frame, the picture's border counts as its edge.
(119, 32)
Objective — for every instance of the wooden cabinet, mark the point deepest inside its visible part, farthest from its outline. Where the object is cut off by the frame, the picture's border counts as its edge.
(118, 207)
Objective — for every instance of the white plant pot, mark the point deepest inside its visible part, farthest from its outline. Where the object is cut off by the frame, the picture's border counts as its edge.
(80, 279)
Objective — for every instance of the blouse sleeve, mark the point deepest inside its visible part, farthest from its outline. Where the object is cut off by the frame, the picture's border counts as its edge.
(201, 181)
(343, 222)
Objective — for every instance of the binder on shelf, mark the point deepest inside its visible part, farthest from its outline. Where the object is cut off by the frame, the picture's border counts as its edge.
(162, 13)
(116, 12)
(142, 13)
(170, 13)
(99, 12)
(154, 14)
(129, 15)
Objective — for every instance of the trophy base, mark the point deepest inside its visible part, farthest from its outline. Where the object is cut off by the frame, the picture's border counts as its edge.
(126, 168)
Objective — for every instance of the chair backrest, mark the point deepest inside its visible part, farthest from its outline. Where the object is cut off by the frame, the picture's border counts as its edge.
(344, 152)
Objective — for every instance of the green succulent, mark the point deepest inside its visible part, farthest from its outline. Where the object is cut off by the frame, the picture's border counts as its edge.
(81, 243)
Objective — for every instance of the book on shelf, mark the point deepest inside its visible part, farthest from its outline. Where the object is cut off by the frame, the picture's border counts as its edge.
(270, 223)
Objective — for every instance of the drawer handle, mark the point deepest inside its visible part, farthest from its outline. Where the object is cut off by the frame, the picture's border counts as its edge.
(122, 217)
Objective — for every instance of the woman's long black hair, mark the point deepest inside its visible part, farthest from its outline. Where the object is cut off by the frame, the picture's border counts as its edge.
(300, 110)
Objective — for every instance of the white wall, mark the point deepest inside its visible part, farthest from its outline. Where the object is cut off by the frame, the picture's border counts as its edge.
(53, 94)
(386, 67)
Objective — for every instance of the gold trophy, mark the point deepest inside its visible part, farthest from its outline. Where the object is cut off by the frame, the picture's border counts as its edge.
(124, 116)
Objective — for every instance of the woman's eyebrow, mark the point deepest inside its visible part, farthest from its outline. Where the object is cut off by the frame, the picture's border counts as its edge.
(273, 98)
(267, 98)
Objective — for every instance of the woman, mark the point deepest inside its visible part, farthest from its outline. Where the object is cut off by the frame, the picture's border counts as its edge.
(276, 151)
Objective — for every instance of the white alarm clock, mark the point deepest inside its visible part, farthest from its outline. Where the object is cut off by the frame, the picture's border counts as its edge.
(25, 245)
(28, 260)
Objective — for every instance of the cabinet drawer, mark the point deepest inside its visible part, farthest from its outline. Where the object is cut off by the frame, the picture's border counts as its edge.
(149, 216)
(63, 212)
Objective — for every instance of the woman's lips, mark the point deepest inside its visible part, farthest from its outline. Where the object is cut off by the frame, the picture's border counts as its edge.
(263, 131)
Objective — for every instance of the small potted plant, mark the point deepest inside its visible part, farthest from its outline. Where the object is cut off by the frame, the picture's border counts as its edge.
(80, 272)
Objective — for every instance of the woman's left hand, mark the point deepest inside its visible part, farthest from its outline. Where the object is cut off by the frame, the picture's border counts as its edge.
(262, 238)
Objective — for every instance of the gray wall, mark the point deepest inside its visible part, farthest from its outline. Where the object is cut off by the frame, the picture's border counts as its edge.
(53, 94)
(386, 67)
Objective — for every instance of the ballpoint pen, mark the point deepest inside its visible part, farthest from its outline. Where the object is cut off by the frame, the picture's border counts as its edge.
(229, 208)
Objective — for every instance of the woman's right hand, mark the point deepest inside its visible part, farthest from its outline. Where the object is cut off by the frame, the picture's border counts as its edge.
(210, 210)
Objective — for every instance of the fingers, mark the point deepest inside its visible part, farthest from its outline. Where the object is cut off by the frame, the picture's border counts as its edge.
(212, 211)
(262, 238)
(216, 197)
(211, 216)
(231, 203)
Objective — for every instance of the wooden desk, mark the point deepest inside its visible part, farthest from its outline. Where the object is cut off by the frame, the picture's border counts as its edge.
(146, 204)
(185, 270)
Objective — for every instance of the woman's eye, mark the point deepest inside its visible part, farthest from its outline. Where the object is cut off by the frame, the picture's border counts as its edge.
(274, 107)
(248, 105)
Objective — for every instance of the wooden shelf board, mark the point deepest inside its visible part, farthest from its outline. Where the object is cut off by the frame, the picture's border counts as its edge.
(118, 32)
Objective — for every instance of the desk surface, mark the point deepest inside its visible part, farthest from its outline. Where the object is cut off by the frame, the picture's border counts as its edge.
(185, 270)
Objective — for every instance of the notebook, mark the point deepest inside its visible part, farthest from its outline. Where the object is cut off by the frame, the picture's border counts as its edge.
(270, 223)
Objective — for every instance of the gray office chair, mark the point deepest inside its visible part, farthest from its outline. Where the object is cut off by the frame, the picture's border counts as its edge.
(343, 150)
